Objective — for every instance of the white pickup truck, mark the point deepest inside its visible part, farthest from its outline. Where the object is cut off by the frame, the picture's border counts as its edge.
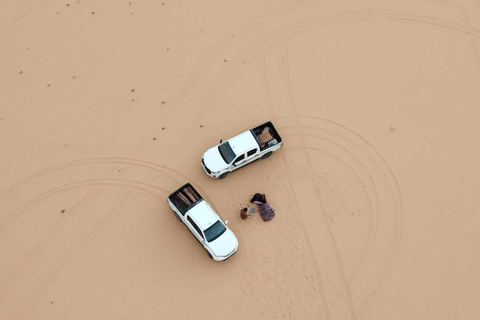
(260, 142)
(203, 222)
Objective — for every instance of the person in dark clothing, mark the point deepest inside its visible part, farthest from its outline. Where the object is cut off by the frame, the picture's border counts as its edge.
(267, 212)
(249, 211)
(259, 198)
(243, 213)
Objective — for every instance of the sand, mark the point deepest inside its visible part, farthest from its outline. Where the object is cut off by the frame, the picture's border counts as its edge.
(107, 107)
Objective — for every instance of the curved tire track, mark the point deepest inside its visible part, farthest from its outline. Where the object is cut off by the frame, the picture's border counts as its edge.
(82, 164)
(226, 75)
(96, 183)
(282, 62)
(454, 28)
(361, 173)
(291, 105)
(102, 221)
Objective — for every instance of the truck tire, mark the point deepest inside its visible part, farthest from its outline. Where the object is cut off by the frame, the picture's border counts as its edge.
(209, 255)
(177, 216)
(223, 175)
(266, 155)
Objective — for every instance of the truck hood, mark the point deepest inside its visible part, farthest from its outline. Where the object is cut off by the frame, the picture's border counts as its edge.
(213, 160)
(225, 244)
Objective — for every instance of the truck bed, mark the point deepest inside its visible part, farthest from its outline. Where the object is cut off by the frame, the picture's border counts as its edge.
(266, 135)
(185, 197)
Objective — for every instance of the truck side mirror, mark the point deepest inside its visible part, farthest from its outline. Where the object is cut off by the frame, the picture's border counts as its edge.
(221, 140)
(226, 221)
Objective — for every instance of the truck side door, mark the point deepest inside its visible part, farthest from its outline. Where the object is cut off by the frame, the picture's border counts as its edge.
(247, 158)
(239, 161)
(194, 229)
(252, 155)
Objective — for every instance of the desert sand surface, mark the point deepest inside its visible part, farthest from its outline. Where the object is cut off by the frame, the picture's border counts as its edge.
(106, 108)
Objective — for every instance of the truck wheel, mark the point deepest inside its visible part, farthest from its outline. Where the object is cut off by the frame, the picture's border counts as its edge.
(266, 155)
(177, 216)
(223, 175)
(209, 255)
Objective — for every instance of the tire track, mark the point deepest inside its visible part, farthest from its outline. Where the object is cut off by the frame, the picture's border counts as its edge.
(410, 18)
(154, 190)
(133, 164)
(394, 188)
(283, 66)
(225, 76)
(179, 98)
(279, 63)
(124, 162)
(258, 46)
(82, 162)
(363, 15)
(291, 101)
(370, 190)
(313, 257)
(301, 26)
(317, 273)
(215, 55)
(27, 308)
(21, 16)
(356, 275)
(456, 5)
(373, 154)
(468, 24)
(345, 294)
(394, 191)
(219, 95)
(373, 190)
(96, 183)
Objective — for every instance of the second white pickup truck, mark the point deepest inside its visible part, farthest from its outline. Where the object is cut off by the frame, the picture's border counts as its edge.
(260, 142)
(203, 222)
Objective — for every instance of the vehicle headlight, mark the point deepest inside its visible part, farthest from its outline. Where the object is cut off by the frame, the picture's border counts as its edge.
(206, 168)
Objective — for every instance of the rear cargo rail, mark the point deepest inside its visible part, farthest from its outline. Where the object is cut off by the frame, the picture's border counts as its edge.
(185, 197)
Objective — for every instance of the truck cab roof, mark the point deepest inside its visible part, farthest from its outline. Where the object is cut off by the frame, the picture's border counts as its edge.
(243, 142)
(203, 215)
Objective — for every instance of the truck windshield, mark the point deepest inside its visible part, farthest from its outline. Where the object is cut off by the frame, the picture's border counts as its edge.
(226, 152)
(214, 231)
